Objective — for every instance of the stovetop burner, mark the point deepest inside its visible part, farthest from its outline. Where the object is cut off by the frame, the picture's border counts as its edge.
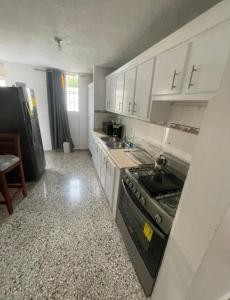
(161, 183)
(172, 202)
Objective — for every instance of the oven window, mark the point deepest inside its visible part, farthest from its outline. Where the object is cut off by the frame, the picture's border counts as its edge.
(149, 243)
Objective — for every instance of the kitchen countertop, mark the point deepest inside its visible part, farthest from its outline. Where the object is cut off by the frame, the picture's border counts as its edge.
(119, 156)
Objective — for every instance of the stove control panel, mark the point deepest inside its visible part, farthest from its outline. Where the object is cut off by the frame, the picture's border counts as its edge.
(135, 190)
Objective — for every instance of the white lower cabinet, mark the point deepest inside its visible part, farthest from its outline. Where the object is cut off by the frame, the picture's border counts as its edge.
(110, 180)
(108, 173)
(103, 169)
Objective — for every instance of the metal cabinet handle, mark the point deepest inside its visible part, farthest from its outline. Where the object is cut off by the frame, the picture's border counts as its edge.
(134, 107)
(190, 84)
(173, 86)
(120, 106)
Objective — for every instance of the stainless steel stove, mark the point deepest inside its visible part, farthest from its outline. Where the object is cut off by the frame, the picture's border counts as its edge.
(147, 205)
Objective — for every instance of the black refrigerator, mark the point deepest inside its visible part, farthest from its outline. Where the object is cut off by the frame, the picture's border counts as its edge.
(18, 114)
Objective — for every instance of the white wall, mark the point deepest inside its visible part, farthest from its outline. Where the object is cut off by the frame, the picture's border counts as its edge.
(37, 81)
(212, 279)
(99, 74)
(203, 204)
(78, 121)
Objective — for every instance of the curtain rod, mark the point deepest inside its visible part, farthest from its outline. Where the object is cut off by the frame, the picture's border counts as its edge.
(40, 69)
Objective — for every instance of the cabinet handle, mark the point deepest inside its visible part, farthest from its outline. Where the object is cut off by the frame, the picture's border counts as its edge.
(120, 106)
(106, 164)
(134, 107)
(190, 84)
(173, 86)
(130, 109)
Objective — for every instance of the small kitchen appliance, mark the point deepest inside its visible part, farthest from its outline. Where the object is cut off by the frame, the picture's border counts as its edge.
(113, 129)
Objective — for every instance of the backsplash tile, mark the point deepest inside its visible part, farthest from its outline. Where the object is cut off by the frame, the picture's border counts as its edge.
(177, 136)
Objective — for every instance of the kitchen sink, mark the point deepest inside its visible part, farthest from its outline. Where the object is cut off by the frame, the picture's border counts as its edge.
(117, 145)
(110, 139)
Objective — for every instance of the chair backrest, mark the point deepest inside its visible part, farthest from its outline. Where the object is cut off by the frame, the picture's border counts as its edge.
(10, 144)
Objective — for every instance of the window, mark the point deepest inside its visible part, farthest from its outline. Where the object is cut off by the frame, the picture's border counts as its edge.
(2, 82)
(71, 90)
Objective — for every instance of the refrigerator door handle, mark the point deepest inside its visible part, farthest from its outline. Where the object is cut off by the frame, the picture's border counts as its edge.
(26, 110)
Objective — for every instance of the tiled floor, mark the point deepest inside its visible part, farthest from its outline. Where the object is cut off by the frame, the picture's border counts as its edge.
(61, 241)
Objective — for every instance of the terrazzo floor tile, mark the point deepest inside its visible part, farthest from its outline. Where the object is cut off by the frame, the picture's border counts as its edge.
(61, 242)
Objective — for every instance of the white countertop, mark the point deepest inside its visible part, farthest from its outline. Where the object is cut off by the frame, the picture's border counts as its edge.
(119, 156)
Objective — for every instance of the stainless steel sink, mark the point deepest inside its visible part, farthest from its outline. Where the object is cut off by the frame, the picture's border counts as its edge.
(117, 145)
(110, 139)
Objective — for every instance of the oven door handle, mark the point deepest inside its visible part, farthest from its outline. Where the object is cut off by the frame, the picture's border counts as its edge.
(161, 234)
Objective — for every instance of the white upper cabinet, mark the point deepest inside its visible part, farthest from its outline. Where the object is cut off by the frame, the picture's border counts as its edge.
(119, 93)
(108, 93)
(129, 90)
(143, 89)
(169, 71)
(207, 60)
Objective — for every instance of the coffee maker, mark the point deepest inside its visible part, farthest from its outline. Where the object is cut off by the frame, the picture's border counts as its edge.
(117, 130)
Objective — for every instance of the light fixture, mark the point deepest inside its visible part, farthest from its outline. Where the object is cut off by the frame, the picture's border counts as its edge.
(59, 42)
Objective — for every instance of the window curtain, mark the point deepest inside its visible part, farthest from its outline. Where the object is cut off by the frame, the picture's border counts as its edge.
(59, 125)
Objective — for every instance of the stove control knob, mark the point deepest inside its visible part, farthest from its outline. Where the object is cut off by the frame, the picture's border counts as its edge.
(143, 201)
(127, 180)
(130, 184)
(134, 189)
(158, 218)
(138, 195)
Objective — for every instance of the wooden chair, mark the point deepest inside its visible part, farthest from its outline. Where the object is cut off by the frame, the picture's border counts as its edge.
(10, 159)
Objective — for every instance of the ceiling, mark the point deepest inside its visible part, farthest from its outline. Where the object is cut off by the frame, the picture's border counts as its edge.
(94, 32)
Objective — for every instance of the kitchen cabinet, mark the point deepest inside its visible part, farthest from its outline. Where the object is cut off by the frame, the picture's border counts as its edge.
(97, 157)
(119, 93)
(107, 93)
(110, 93)
(103, 168)
(169, 71)
(207, 60)
(90, 116)
(110, 181)
(129, 90)
(143, 89)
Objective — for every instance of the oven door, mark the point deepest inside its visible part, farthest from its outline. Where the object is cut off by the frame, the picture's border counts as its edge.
(144, 241)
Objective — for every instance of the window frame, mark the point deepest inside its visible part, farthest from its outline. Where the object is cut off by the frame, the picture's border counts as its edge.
(72, 105)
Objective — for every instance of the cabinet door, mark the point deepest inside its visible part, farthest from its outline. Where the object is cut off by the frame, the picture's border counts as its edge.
(208, 57)
(169, 71)
(129, 89)
(98, 160)
(143, 89)
(119, 93)
(110, 179)
(103, 168)
(90, 116)
(108, 93)
(113, 82)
